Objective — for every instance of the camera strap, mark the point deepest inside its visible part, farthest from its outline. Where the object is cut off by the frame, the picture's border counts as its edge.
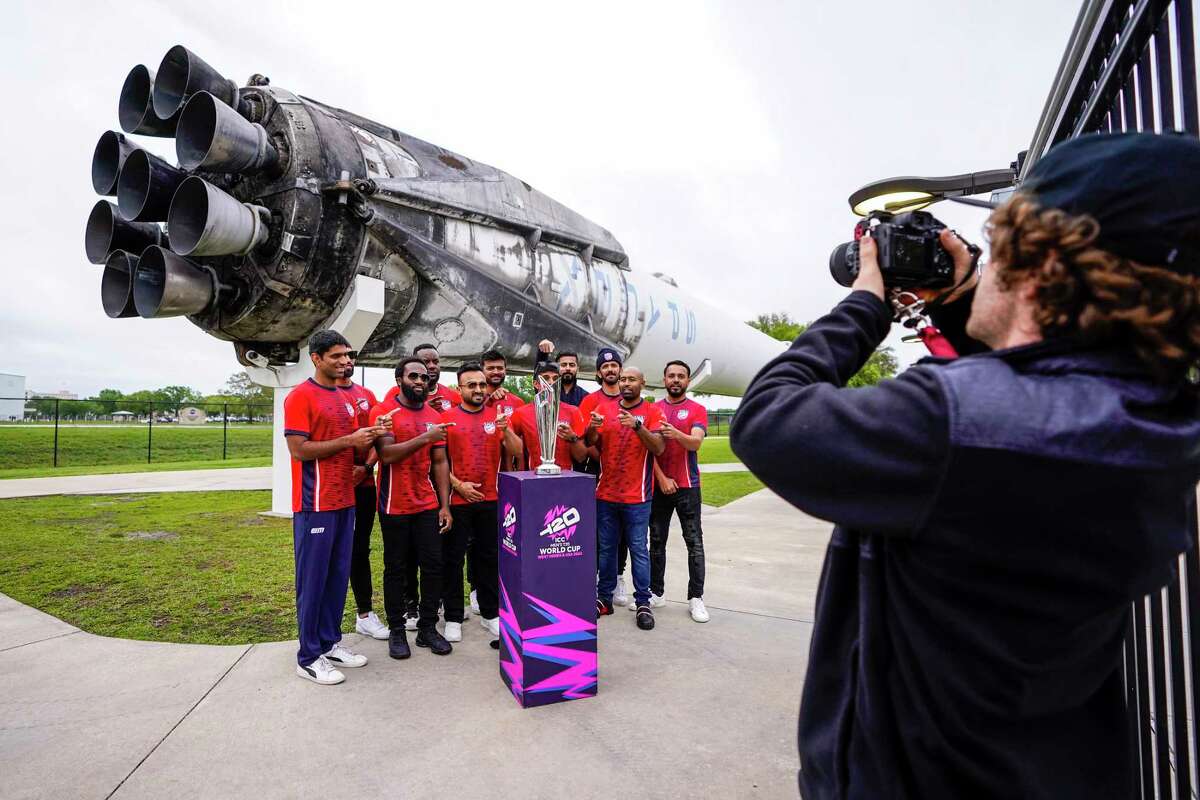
(912, 312)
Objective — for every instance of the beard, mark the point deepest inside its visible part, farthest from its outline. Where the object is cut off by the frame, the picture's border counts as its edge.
(676, 391)
(413, 394)
(567, 379)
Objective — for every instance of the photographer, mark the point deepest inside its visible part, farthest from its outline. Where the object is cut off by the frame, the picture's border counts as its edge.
(996, 514)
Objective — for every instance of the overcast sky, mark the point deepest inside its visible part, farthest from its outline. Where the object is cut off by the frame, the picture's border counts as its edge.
(718, 142)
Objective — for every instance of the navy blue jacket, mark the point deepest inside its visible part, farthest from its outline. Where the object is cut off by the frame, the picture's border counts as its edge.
(995, 516)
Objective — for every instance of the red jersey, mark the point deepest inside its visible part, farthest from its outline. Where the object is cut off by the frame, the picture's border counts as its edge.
(474, 445)
(441, 401)
(364, 401)
(508, 405)
(627, 471)
(406, 487)
(676, 462)
(319, 414)
(595, 402)
(524, 425)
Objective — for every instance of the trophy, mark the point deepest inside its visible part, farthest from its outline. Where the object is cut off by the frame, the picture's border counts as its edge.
(545, 411)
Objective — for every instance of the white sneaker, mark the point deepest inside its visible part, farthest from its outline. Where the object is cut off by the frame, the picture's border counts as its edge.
(656, 601)
(371, 626)
(699, 612)
(474, 602)
(621, 595)
(453, 632)
(410, 622)
(320, 671)
(340, 656)
(492, 625)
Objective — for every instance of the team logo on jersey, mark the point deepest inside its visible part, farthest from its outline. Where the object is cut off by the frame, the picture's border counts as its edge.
(682, 413)
(640, 419)
(349, 409)
(442, 403)
(363, 404)
(489, 428)
(508, 411)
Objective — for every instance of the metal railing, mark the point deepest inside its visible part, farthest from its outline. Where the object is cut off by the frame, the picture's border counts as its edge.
(1131, 66)
(54, 432)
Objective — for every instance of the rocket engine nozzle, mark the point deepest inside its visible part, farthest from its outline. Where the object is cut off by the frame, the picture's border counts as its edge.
(107, 232)
(207, 221)
(116, 287)
(181, 74)
(107, 160)
(213, 136)
(135, 109)
(146, 186)
(168, 285)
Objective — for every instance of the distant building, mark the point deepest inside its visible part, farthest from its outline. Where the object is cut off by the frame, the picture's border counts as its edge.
(59, 395)
(12, 397)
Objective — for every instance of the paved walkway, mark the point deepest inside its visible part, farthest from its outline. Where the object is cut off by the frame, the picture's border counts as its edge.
(686, 710)
(198, 480)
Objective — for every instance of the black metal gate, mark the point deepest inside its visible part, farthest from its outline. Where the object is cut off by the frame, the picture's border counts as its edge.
(1131, 66)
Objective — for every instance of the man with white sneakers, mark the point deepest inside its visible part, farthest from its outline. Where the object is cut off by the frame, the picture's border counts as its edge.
(677, 475)
(475, 445)
(323, 437)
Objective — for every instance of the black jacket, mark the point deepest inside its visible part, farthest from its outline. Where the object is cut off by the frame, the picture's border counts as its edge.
(995, 516)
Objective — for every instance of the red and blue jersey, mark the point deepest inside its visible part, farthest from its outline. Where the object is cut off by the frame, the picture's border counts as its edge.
(524, 425)
(678, 463)
(442, 400)
(405, 487)
(474, 444)
(320, 414)
(626, 466)
(364, 401)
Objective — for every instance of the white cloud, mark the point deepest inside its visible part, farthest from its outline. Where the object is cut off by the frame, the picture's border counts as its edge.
(717, 142)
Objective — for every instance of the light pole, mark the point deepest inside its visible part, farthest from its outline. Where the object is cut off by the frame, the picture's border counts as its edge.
(910, 193)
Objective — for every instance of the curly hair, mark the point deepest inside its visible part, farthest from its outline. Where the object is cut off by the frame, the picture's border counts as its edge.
(1093, 295)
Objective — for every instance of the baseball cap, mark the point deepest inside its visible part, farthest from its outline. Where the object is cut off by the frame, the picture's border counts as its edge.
(606, 355)
(1140, 187)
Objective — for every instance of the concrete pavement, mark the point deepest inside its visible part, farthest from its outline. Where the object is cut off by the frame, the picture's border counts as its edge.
(197, 480)
(685, 710)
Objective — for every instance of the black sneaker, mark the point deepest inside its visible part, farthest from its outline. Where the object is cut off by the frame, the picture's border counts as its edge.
(645, 618)
(437, 644)
(398, 644)
(603, 607)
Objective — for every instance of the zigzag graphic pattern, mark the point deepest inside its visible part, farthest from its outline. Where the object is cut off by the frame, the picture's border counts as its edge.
(578, 674)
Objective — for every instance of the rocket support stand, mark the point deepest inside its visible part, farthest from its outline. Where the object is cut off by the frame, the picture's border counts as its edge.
(355, 319)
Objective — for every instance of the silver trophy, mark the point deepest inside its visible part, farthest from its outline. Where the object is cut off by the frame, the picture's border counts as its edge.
(545, 411)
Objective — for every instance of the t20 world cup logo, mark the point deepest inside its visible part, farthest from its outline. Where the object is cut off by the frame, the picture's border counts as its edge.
(509, 524)
(559, 526)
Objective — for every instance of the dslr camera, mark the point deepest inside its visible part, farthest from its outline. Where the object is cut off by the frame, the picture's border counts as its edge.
(910, 254)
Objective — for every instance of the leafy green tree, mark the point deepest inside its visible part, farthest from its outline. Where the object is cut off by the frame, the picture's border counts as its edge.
(520, 385)
(246, 398)
(882, 363)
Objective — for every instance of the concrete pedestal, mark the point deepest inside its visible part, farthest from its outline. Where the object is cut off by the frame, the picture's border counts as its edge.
(547, 551)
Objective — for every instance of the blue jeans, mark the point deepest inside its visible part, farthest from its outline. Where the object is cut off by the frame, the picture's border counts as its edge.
(632, 520)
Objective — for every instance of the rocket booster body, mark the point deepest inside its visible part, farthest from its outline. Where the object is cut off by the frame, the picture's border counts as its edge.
(282, 200)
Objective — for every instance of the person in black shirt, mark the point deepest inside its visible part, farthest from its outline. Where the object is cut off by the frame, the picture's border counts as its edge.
(996, 514)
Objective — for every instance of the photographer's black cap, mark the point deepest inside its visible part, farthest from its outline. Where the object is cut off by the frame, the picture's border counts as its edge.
(1142, 188)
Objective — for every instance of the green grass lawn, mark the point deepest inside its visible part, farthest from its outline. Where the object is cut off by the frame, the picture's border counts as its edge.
(109, 469)
(31, 447)
(715, 450)
(199, 567)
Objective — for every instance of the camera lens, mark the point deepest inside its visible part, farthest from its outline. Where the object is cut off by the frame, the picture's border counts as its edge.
(843, 263)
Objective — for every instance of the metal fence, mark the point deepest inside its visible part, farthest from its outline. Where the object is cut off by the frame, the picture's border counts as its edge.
(1131, 66)
(719, 422)
(54, 432)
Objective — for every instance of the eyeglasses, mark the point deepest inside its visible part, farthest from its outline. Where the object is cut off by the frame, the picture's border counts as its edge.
(417, 376)
(474, 385)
